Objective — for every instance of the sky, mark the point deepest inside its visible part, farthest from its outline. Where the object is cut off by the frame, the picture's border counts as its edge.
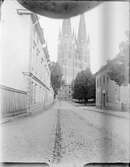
(105, 25)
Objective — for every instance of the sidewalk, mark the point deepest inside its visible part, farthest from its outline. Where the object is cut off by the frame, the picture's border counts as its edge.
(24, 114)
(120, 114)
(11, 118)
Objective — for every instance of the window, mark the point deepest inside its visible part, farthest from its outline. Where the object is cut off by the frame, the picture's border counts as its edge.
(100, 80)
(104, 79)
(107, 97)
(97, 83)
(107, 80)
(41, 60)
(80, 66)
(69, 56)
(37, 52)
(34, 44)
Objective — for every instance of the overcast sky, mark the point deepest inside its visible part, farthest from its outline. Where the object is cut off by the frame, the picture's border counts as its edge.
(106, 26)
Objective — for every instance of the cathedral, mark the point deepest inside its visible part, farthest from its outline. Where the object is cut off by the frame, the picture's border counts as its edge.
(73, 51)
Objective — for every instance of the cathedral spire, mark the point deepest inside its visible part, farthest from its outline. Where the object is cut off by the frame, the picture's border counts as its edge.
(82, 35)
(66, 27)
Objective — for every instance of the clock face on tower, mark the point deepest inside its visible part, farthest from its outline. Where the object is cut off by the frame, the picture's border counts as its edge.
(58, 9)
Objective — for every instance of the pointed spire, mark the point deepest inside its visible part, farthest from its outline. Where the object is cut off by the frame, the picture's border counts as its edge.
(82, 35)
(66, 27)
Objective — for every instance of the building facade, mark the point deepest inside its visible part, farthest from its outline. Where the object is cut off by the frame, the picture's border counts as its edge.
(109, 95)
(25, 80)
(73, 52)
(65, 93)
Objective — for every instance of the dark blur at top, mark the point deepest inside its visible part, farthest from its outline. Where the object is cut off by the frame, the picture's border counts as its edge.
(58, 8)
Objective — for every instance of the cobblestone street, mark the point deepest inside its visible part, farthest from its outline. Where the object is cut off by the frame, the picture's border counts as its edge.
(64, 134)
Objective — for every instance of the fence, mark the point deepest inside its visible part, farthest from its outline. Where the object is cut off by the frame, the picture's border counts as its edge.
(13, 101)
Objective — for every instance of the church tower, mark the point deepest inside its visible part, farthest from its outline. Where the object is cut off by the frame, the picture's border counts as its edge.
(66, 51)
(83, 44)
(73, 53)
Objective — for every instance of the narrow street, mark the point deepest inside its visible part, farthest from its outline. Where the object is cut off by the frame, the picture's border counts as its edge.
(66, 134)
(64, 85)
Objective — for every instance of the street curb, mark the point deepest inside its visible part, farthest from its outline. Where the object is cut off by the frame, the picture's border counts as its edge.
(107, 113)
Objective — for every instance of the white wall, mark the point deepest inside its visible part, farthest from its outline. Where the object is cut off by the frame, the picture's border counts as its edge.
(125, 95)
(40, 70)
(14, 45)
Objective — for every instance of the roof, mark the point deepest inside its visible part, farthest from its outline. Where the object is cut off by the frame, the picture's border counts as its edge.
(119, 58)
(103, 68)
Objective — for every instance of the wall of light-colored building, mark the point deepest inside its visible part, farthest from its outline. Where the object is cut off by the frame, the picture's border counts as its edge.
(113, 101)
(25, 65)
(107, 91)
(39, 65)
(116, 97)
(125, 96)
(15, 45)
(39, 68)
(12, 101)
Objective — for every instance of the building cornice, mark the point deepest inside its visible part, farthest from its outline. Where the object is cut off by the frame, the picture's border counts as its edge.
(29, 74)
(12, 89)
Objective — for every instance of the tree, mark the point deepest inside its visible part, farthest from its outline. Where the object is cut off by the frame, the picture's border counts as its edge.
(117, 73)
(119, 68)
(56, 77)
(83, 86)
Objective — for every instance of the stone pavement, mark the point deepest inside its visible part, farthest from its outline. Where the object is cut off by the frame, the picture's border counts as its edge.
(66, 134)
